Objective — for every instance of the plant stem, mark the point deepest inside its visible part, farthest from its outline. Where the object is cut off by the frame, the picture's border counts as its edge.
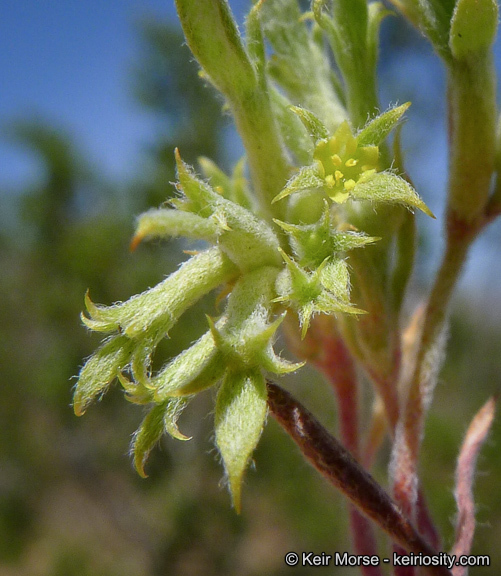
(268, 167)
(460, 235)
(212, 35)
(336, 364)
(332, 460)
(472, 119)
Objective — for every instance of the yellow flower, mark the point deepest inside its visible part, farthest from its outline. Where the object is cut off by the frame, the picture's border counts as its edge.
(343, 163)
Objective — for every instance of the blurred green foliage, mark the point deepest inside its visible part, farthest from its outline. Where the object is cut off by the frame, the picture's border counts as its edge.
(70, 502)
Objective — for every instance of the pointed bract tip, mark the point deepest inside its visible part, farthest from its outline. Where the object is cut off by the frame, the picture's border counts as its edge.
(424, 208)
(139, 463)
(180, 165)
(92, 309)
(79, 408)
(284, 225)
(134, 243)
(236, 494)
(280, 196)
(216, 334)
(428, 212)
(177, 434)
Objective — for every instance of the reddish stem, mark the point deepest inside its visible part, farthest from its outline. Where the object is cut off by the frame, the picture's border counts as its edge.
(475, 437)
(332, 460)
(460, 235)
(336, 364)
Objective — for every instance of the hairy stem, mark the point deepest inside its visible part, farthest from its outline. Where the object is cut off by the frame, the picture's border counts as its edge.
(267, 164)
(460, 235)
(465, 523)
(332, 460)
(212, 35)
(336, 364)
(472, 119)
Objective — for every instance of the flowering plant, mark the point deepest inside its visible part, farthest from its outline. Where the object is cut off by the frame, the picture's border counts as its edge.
(318, 242)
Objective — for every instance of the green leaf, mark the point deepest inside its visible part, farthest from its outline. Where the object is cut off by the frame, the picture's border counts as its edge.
(326, 290)
(435, 20)
(247, 314)
(307, 177)
(212, 35)
(409, 8)
(346, 25)
(213, 38)
(240, 191)
(155, 311)
(161, 418)
(196, 368)
(303, 286)
(100, 370)
(135, 392)
(376, 131)
(345, 241)
(473, 27)
(248, 240)
(141, 359)
(147, 436)
(314, 243)
(200, 197)
(234, 188)
(350, 18)
(314, 125)
(246, 334)
(291, 128)
(390, 188)
(433, 17)
(165, 223)
(172, 412)
(218, 180)
(255, 41)
(442, 13)
(239, 420)
(298, 64)
(335, 277)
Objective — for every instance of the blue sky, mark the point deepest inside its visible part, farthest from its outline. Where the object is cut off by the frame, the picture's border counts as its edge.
(69, 63)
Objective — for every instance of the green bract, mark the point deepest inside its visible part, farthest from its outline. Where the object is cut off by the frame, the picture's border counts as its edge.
(346, 166)
(265, 256)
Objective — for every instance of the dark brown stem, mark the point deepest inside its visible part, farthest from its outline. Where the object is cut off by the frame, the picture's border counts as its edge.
(332, 460)
(336, 364)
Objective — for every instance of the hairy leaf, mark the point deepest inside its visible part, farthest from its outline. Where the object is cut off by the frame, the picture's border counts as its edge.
(239, 421)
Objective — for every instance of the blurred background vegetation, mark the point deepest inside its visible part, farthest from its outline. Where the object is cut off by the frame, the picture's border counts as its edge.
(70, 502)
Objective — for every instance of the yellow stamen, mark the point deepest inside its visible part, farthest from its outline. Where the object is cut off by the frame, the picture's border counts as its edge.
(329, 180)
(336, 160)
